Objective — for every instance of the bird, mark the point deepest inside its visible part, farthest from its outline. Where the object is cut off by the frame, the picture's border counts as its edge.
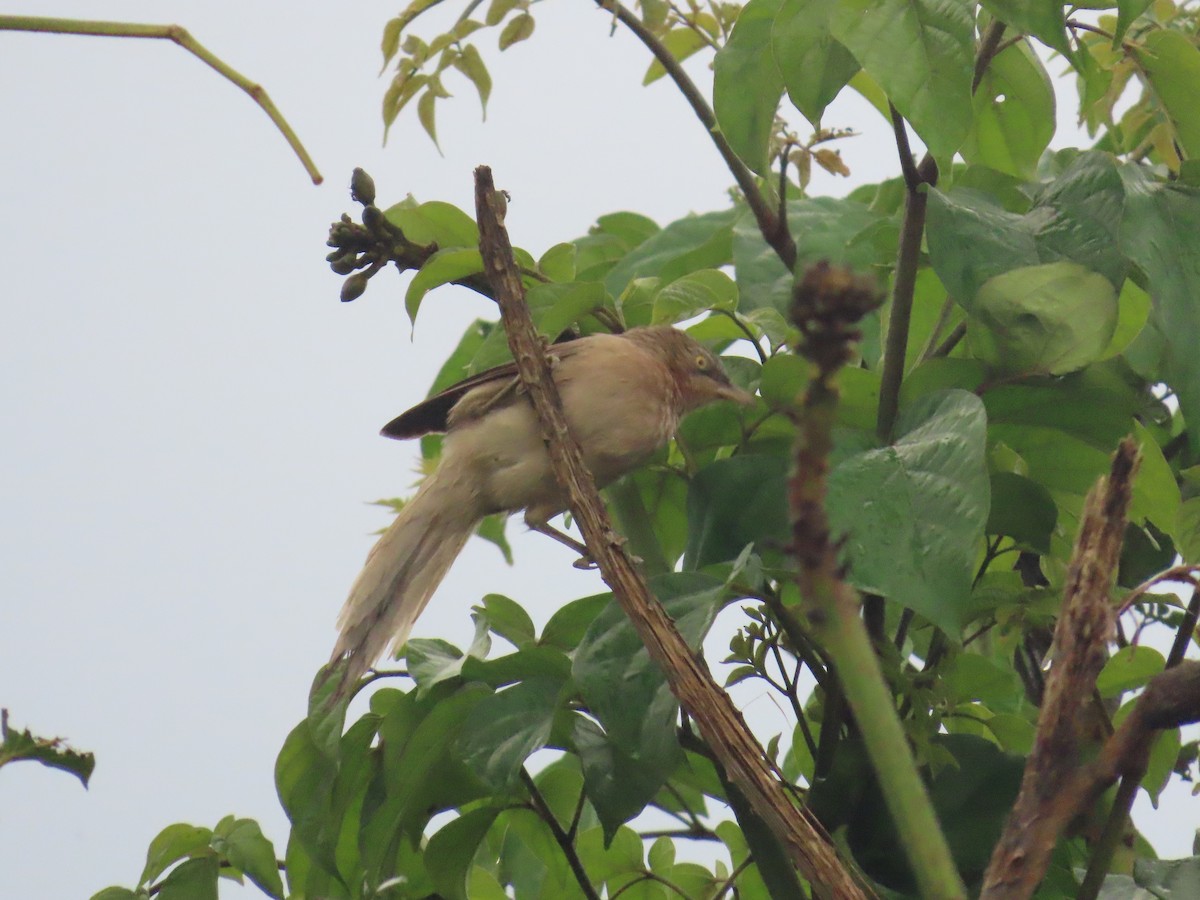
(623, 395)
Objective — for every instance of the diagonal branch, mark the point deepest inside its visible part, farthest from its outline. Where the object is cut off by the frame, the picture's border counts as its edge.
(719, 721)
(1051, 787)
(180, 36)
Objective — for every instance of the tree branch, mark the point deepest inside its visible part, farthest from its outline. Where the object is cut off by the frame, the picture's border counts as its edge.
(177, 35)
(1050, 786)
(720, 723)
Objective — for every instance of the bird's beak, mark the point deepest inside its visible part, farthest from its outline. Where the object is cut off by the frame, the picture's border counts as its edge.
(736, 394)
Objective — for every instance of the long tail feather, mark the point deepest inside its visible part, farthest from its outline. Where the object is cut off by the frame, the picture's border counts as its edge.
(403, 570)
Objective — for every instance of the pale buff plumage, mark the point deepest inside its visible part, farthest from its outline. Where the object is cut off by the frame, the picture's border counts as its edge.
(623, 395)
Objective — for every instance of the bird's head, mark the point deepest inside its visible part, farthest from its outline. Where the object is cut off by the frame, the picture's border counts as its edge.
(699, 377)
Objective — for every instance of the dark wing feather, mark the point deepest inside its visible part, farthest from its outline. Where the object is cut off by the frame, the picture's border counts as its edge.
(431, 415)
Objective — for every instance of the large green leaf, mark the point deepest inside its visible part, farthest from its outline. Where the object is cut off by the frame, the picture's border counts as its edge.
(625, 690)
(1075, 217)
(688, 244)
(434, 222)
(734, 502)
(1023, 510)
(441, 268)
(450, 851)
(813, 65)
(1158, 234)
(421, 774)
(195, 879)
(241, 843)
(1044, 20)
(507, 727)
(173, 843)
(747, 84)
(921, 52)
(1014, 114)
(1171, 62)
(915, 512)
(1048, 319)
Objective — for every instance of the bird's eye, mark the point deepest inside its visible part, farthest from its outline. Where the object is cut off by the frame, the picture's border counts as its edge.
(701, 362)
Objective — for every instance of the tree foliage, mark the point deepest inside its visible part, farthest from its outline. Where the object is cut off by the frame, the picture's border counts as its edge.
(1040, 306)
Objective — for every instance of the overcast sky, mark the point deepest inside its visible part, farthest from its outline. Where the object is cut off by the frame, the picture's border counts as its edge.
(191, 417)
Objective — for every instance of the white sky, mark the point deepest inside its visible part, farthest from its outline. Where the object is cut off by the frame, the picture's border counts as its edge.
(190, 416)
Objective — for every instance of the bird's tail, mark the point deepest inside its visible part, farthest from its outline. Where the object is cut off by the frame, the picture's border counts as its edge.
(403, 570)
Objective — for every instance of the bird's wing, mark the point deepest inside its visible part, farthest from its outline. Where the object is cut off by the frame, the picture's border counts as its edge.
(486, 390)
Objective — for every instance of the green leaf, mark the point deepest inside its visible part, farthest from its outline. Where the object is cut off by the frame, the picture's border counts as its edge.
(569, 623)
(1075, 217)
(627, 692)
(1167, 878)
(691, 243)
(922, 54)
(50, 752)
(813, 65)
(434, 222)
(734, 502)
(554, 308)
(471, 64)
(519, 28)
(508, 619)
(451, 850)
(1048, 319)
(491, 529)
(420, 773)
(618, 786)
(305, 778)
(1014, 114)
(507, 727)
(1189, 530)
(1172, 64)
(195, 879)
(823, 228)
(1023, 510)
(915, 512)
(498, 9)
(242, 844)
(747, 84)
(681, 43)
(1156, 234)
(784, 376)
(558, 263)
(973, 798)
(1161, 764)
(1128, 669)
(116, 893)
(426, 114)
(1045, 21)
(688, 296)
(441, 268)
(173, 843)
(1127, 12)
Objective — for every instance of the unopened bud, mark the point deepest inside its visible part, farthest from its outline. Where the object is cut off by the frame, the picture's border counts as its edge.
(354, 286)
(344, 264)
(362, 188)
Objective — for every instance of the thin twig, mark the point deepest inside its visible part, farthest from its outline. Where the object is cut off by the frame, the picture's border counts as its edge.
(177, 35)
(773, 232)
(1186, 632)
(561, 837)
